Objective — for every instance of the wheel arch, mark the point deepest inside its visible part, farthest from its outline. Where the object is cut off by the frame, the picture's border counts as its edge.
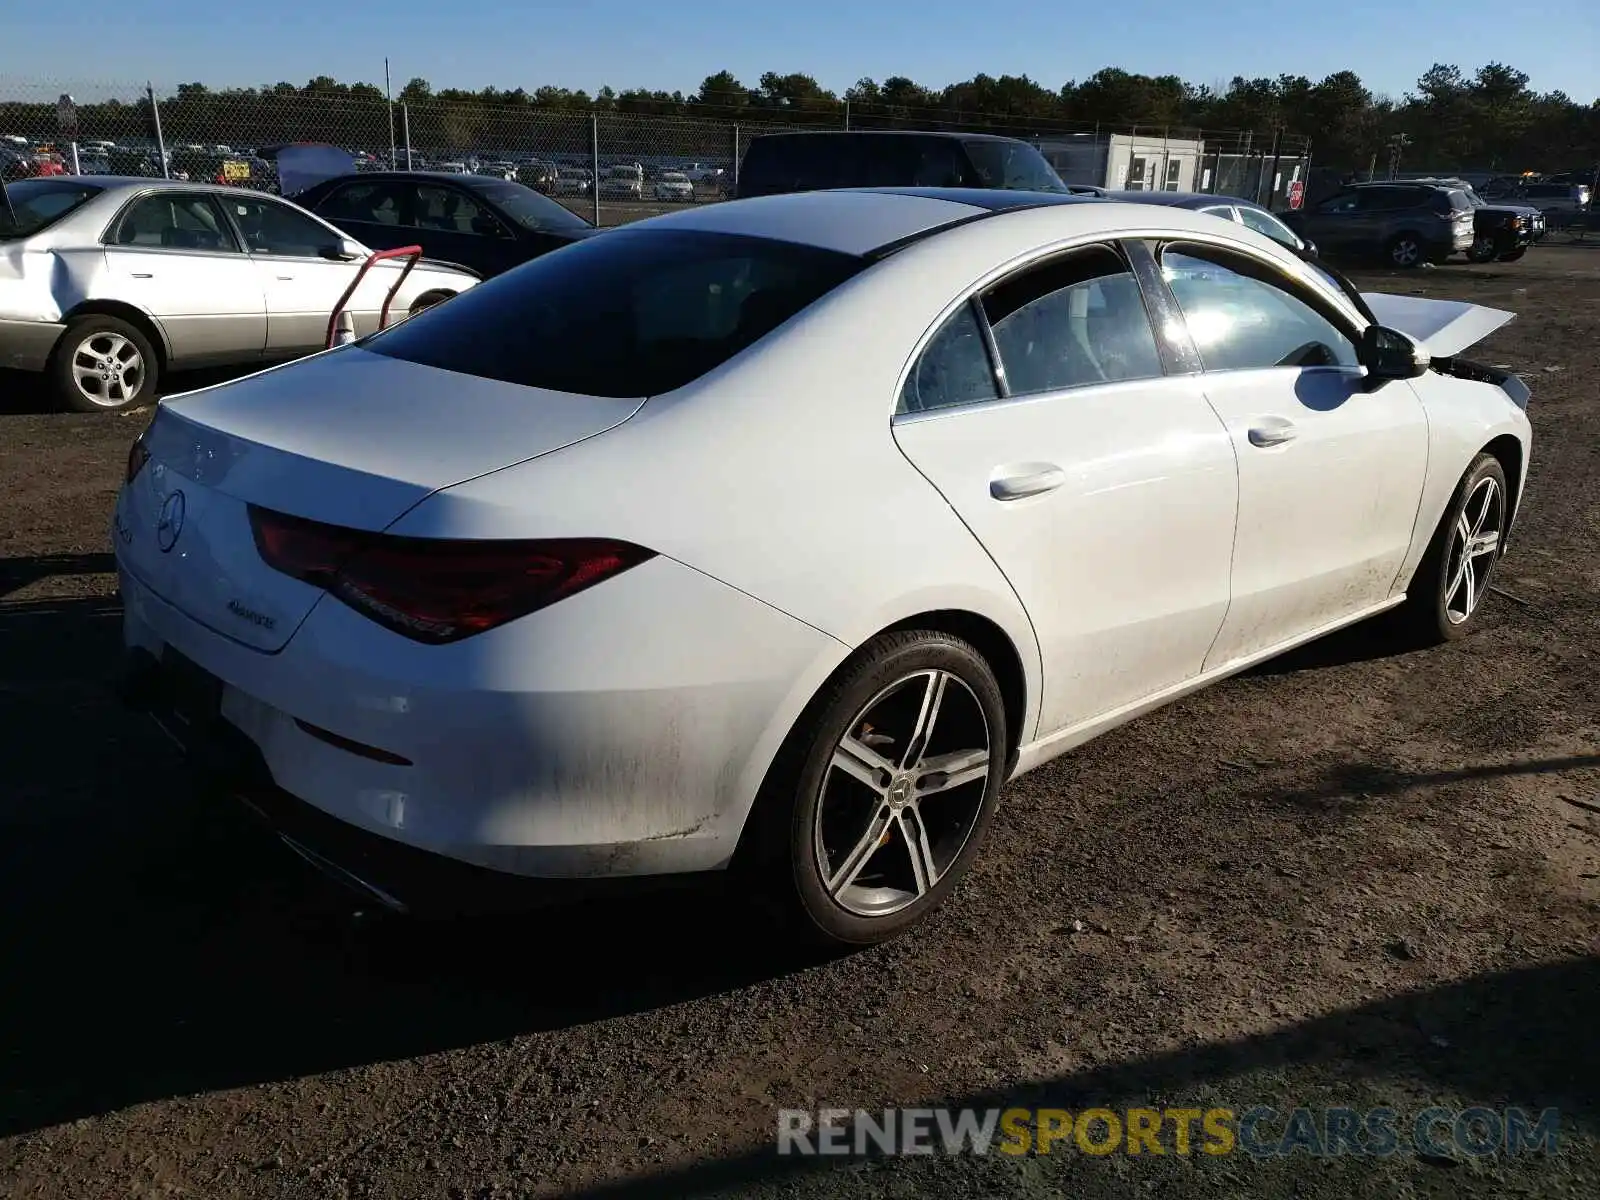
(123, 311)
(998, 650)
(1508, 451)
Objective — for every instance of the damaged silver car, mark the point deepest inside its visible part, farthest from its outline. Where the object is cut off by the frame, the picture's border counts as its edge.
(106, 284)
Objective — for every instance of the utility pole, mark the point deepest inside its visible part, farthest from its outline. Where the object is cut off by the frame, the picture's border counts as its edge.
(1396, 145)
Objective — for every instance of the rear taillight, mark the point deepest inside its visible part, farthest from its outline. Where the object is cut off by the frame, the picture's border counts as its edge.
(432, 589)
(137, 457)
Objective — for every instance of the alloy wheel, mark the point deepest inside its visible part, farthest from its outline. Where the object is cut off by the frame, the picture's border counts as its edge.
(1405, 253)
(902, 794)
(1474, 547)
(107, 369)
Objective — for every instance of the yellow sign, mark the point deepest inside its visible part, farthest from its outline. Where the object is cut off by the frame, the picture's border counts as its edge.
(235, 171)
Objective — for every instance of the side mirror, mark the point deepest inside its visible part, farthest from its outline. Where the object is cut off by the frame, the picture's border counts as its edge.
(344, 250)
(1389, 354)
(1309, 248)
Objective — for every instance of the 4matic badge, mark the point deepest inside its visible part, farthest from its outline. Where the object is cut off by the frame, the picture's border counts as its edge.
(259, 619)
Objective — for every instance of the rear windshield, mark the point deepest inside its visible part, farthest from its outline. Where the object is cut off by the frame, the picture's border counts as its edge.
(628, 313)
(37, 203)
(1016, 166)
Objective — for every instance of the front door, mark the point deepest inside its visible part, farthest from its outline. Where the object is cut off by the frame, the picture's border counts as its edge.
(1330, 473)
(173, 255)
(302, 283)
(1104, 490)
(454, 226)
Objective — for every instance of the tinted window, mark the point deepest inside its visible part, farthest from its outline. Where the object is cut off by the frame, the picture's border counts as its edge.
(531, 210)
(172, 221)
(1013, 165)
(1242, 317)
(632, 313)
(953, 370)
(272, 228)
(375, 203)
(451, 210)
(1446, 202)
(1345, 202)
(1385, 199)
(1071, 322)
(41, 202)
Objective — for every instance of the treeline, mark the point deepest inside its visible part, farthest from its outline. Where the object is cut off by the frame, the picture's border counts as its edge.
(1489, 119)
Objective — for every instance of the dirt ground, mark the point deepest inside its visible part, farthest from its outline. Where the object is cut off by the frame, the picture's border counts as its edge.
(1354, 877)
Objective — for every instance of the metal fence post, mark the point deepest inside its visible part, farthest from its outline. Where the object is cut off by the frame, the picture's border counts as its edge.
(594, 162)
(405, 128)
(155, 115)
(735, 171)
(1272, 188)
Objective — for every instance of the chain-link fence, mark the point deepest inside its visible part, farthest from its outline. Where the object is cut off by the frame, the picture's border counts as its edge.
(611, 166)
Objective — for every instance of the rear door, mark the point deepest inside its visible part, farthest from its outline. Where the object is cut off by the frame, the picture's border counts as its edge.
(175, 256)
(452, 224)
(1103, 488)
(372, 212)
(1332, 223)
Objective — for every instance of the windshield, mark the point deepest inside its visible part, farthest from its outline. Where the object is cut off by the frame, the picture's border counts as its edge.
(636, 312)
(529, 208)
(1014, 166)
(38, 203)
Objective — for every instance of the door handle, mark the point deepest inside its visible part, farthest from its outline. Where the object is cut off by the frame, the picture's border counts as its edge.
(143, 275)
(1273, 435)
(285, 278)
(1031, 480)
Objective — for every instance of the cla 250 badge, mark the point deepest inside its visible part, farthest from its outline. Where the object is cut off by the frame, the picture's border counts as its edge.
(249, 614)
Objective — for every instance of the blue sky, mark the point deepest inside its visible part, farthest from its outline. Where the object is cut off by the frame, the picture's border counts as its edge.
(673, 44)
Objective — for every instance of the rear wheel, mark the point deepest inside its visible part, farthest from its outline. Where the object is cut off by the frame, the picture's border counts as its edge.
(103, 364)
(1447, 591)
(881, 798)
(1406, 251)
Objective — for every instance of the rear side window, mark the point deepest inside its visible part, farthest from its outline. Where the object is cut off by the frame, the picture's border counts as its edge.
(629, 313)
(1449, 202)
(375, 203)
(1015, 166)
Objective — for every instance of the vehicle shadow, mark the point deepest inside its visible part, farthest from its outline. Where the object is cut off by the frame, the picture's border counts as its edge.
(158, 943)
(1367, 641)
(1520, 1038)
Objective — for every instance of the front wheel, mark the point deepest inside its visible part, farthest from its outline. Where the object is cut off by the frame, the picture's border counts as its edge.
(1447, 591)
(882, 796)
(1482, 250)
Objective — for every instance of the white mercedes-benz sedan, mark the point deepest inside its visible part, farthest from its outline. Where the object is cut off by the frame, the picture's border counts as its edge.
(777, 535)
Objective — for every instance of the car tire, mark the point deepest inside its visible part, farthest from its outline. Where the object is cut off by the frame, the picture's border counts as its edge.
(1513, 255)
(103, 364)
(1406, 251)
(1482, 250)
(1443, 602)
(427, 300)
(814, 850)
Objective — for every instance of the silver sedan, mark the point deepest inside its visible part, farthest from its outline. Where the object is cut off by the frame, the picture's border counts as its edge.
(106, 283)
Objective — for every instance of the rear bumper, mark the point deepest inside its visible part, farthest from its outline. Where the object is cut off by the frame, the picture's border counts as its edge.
(27, 345)
(399, 878)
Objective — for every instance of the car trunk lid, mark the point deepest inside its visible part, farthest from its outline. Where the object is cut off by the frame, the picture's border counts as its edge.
(348, 438)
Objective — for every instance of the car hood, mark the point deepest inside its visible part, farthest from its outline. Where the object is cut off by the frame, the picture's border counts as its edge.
(1526, 210)
(1446, 327)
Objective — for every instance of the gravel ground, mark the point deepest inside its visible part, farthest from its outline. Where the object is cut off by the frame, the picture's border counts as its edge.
(1354, 877)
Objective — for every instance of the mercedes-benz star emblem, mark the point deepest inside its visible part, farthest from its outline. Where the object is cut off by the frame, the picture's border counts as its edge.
(170, 524)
